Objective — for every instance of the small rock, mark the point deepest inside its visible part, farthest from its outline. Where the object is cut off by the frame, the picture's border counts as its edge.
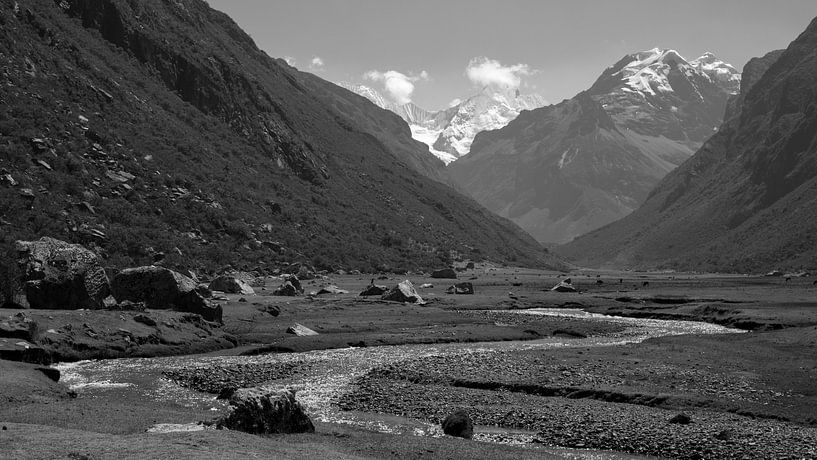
(300, 330)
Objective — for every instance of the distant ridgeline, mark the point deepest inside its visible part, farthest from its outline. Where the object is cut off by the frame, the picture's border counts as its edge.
(149, 127)
(747, 200)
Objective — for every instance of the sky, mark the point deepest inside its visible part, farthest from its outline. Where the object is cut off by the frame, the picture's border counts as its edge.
(433, 52)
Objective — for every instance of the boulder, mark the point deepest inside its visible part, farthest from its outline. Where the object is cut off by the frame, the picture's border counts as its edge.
(290, 287)
(265, 411)
(161, 288)
(300, 330)
(445, 273)
(61, 276)
(403, 292)
(458, 424)
(461, 288)
(469, 266)
(564, 286)
(373, 289)
(231, 285)
(332, 290)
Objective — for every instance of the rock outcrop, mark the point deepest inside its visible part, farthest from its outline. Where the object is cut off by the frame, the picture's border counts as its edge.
(161, 288)
(61, 276)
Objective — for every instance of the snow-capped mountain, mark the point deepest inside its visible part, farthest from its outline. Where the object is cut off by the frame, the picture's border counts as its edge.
(566, 169)
(450, 132)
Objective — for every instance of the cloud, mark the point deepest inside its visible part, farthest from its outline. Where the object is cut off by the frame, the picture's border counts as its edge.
(290, 60)
(316, 64)
(399, 86)
(455, 102)
(483, 71)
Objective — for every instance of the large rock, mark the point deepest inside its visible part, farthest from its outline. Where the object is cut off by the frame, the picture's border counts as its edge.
(263, 411)
(446, 273)
(403, 292)
(231, 285)
(61, 276)
(161, 288)
(458, 424)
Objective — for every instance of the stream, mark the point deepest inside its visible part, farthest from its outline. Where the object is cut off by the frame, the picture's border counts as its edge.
(324, 375)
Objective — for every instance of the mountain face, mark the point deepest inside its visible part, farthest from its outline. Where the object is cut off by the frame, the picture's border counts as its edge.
(450, 132)
(566, 169)
(155, 129)
(747, 200)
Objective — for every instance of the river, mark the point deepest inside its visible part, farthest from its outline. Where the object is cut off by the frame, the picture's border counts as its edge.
(326, 374)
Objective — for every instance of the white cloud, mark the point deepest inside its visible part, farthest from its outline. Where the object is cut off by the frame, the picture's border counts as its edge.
(455, 102)
(399, 86)
(290, 60)
(483, 71)
(316, 64)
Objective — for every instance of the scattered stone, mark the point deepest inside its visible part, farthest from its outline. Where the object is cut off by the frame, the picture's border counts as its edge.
(263, 411)
(291, 287)
(564, 286)
(446, 273)
(144, 319)
(403, 292)
(458, 424)
(271, 310)
(231, 285)
(426, 286)
(461, 288)
(61, 276)
(300, 330)
(161, 288)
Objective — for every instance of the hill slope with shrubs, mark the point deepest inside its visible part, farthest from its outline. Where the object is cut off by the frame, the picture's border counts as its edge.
(158, 128)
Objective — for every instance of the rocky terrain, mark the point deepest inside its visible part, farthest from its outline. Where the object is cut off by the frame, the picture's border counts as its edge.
(159, 131)
(569, 168)
(746, 200)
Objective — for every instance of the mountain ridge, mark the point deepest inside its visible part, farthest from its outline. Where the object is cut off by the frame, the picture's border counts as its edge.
(562, 170)
(746, 200)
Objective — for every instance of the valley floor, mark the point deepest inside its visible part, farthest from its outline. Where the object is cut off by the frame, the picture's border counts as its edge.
(747, 395)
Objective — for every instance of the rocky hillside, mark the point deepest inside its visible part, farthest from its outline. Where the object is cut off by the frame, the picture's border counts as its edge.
(566, 169)
(158, 128)
(747, 200)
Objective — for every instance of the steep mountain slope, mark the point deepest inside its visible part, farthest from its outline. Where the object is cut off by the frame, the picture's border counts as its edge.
(566, 169)
(450, 132)
(747, 200)
(140, 128)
